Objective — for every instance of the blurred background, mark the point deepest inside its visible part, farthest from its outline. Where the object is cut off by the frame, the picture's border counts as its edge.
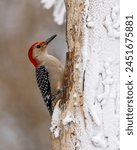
(24, 119)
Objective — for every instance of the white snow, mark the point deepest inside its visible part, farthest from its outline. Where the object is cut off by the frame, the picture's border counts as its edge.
(100, 56)
(107, 81)
(112, 22)
(69, 118)
(89, 22)
(75, 95)
(56, 132)
(99, 141)
(55, 123)
(59, 9)
(48, 4)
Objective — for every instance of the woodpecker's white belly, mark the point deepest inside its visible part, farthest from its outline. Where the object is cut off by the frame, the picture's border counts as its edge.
(56, 72)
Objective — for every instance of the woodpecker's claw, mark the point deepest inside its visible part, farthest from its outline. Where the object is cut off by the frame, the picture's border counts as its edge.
(56, 94)
(50, 39)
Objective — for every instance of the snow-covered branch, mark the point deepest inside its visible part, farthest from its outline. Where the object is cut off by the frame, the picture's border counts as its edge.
(59, 9)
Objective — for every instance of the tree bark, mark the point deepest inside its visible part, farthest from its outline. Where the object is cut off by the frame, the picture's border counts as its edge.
(80, 120)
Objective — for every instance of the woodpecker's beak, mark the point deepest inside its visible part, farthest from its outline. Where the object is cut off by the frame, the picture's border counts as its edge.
(50, 39)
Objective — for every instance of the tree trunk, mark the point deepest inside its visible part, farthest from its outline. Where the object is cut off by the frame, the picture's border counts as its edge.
(88, 116)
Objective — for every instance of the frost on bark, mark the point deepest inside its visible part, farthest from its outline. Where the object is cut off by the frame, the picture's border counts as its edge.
(88, 116)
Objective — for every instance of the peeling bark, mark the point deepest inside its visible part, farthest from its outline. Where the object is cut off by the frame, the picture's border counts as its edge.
(73, 95)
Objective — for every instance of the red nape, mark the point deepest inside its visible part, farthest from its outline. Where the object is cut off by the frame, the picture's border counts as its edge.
(30, 55)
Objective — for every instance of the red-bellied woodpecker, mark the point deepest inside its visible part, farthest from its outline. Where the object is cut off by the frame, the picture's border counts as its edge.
(49, 72)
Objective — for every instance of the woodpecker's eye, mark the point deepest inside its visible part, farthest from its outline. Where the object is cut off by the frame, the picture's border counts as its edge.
(38, 46)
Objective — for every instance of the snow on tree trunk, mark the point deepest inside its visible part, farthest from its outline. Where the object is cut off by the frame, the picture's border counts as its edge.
(88, 116)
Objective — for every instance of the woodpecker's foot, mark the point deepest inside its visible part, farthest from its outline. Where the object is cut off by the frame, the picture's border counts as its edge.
(56, 96)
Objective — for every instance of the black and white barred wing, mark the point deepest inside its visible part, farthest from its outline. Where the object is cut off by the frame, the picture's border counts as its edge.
(44, 86)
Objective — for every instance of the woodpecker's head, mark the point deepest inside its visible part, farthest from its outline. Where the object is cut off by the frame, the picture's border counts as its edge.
(38, 50)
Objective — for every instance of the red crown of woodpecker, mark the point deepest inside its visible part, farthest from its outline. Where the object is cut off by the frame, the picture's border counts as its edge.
(30, 52)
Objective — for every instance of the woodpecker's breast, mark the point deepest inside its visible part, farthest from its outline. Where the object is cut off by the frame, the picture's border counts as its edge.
(42, 78)
(56, 72)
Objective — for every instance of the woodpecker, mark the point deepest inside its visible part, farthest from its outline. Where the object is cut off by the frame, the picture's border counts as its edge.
(49, 72)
